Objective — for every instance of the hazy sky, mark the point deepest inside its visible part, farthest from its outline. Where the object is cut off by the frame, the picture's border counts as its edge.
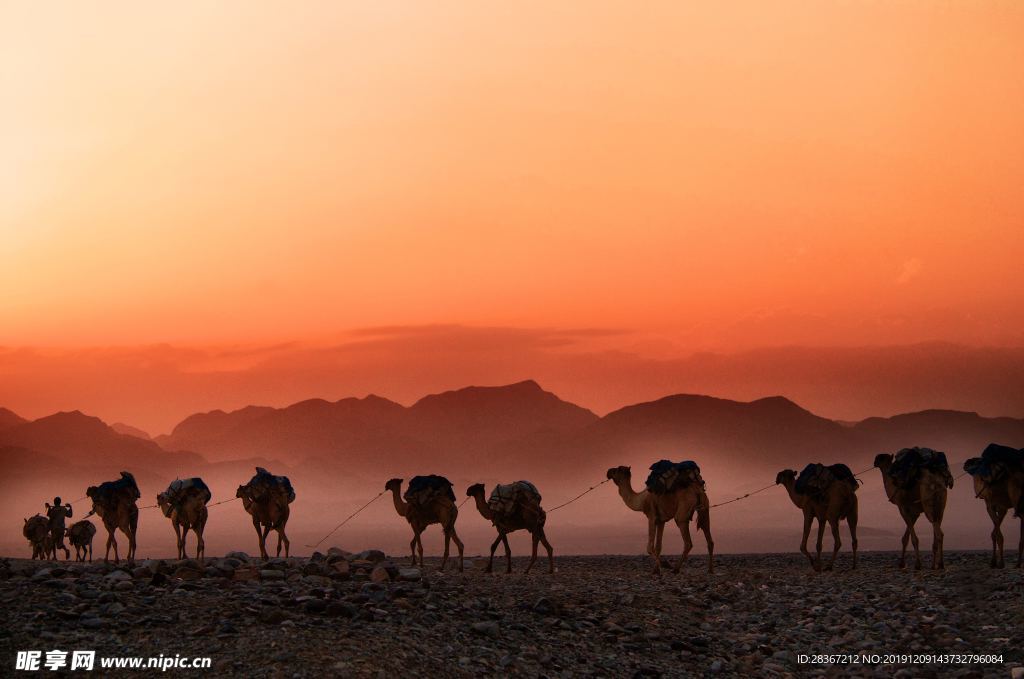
(702, 175)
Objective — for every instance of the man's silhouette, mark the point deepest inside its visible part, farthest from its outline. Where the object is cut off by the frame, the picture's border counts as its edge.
(57, 513)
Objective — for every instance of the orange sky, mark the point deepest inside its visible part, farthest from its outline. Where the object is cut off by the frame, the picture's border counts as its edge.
(720, 176)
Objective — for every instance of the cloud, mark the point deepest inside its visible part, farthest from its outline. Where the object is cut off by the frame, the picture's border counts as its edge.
(911, 269)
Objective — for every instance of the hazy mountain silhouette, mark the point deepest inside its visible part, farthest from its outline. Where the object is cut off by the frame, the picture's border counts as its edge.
(10, 419)
(456, 425)
(129, 430)
(522, 429)
(85, 441)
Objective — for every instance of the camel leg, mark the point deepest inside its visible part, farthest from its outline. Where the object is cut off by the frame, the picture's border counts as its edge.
(133, 529)
(997, 536)
(419, 548)
(494, 547)
(658, 542)
(1020, 545)
(684, 530)
(261, 538)
(198, 529)
(937, 539)
(412, 547)
(508, 554)
(917, 547)
(178, 539)
(461, 547)
(651, 548)
(278, 531)
(447, 548)
(903, 552)
(851, 522)
(837, 542)
(551, 552)
(533, 553)
(808, 520)
(818, 544)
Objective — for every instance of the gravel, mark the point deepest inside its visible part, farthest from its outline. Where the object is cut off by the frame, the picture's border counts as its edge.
(596, 616)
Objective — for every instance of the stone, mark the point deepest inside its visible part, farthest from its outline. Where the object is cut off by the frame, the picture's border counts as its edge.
(380, 574)
(410, 574)
(488, 628)
(373, 555)
(239, 556)
(271, 574)
(115, 576)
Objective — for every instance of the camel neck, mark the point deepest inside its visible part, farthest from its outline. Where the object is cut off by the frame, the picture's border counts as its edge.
(400, 505)
(632, 499)
(798, 500)
(482, 506)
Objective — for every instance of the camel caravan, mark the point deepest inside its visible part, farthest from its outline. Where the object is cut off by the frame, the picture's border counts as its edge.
(916, 481)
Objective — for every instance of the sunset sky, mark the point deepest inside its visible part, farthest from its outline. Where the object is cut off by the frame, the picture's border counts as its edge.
(656, 179)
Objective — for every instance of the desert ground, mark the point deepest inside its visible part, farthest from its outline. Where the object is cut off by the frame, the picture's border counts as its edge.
(342, 614)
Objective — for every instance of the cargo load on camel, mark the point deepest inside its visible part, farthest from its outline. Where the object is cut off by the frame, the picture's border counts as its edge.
(509, 498)
(815, 479)
(179, 489)
(908, 464)
(996, 463)
(668, 477)
(425, 489)
(264, 482)
(109, 491)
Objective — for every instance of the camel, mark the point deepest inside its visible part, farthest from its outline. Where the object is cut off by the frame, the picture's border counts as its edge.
(999, 480)
(267, 498)
(838, 502)
(440, 509)
(80, 535)
(526, 514)
(927, 495)
(184, 503)
(115, 503)
(659, 508)
(37, 531)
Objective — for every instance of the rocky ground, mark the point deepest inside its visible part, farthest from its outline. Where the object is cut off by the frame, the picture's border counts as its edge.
(344, 614)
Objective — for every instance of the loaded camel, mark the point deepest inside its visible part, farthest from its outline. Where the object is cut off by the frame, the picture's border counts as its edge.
(428, 500)
(999, 480)
(513, 507)
(115, 503)
(838, 501)
(659, 508)
(184, 503)
(267, 498)
(924, 491)
(37, 531)
(80, 535)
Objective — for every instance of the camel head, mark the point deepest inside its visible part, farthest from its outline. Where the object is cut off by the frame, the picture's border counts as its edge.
(393, 485)
(620, 474)
(477, 489)
(91, 491)
(785, 476)
(883, 460)
(244, 493)
(164, 503)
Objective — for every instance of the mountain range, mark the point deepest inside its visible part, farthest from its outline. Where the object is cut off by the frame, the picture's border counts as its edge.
(518, 429)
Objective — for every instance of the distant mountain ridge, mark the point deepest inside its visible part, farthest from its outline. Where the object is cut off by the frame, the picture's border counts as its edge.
(503, 430)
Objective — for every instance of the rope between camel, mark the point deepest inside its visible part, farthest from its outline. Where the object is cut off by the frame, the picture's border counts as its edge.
(579, 496)
(350, 517)
(742, 497)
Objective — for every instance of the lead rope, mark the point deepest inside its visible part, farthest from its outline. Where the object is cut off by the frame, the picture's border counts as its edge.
(350, 517)
(743, 497)
(597, 485)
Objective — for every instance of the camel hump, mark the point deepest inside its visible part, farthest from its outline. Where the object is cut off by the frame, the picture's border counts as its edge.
(509, 497)
(843, 473)
(909, 463)
(668, 477)
(425, 489)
